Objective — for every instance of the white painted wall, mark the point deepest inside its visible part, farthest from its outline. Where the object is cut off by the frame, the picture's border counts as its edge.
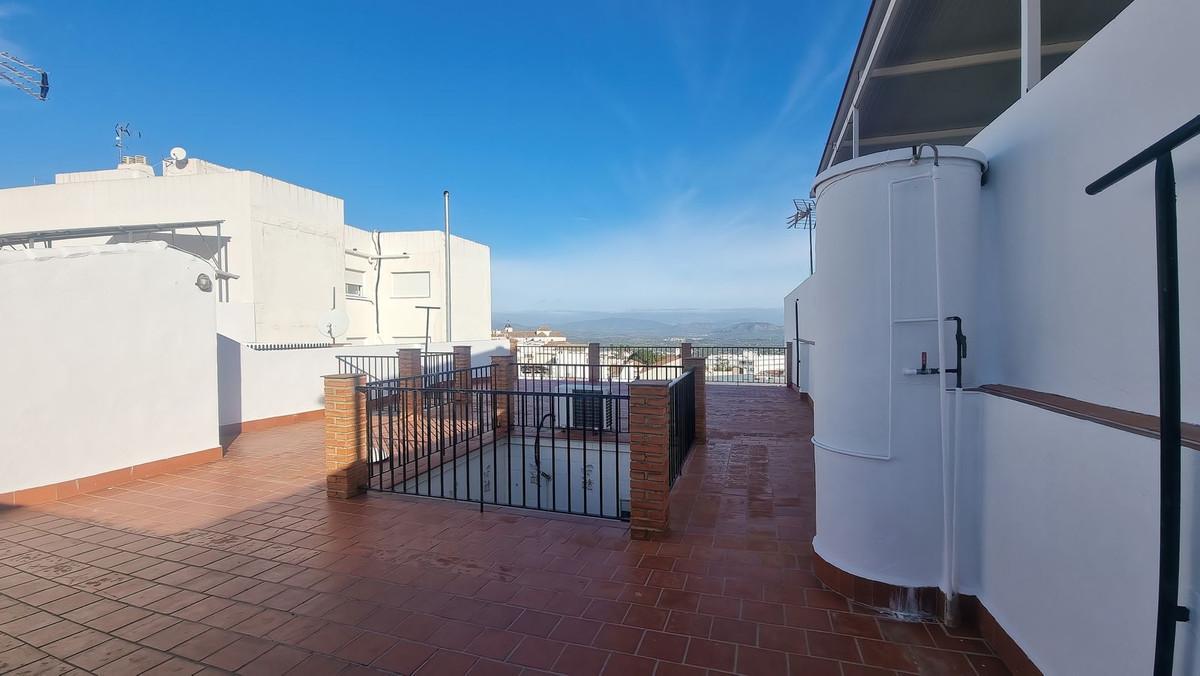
(110, 361)
(1071, 277)
(399, 318)
(285, 242)
(1058, 529)
(800, 301)
(265, 384)
(1067, 521)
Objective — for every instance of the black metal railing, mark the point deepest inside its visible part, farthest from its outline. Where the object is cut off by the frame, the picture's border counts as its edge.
(536, 377)
(437, 362)
(266, 347)
(552, 353)
(376, 367)
(386, 367)
(562, 451)
(681, 413)
(1166, 220)
(744, 365)
(648, 355)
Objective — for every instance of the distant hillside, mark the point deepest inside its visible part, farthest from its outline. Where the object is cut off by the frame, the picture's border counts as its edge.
(648, 327)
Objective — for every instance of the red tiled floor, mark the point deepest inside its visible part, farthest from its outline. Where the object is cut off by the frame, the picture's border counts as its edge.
(243, 564)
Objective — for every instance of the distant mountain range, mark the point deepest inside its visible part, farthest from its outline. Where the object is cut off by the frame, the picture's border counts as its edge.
(752, 326)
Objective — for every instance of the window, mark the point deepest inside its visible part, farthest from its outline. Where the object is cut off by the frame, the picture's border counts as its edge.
(410, 285)
(354, 282)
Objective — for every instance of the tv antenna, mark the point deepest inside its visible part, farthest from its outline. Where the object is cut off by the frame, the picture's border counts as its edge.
(24, 76)
(805, 218)
(122, 132)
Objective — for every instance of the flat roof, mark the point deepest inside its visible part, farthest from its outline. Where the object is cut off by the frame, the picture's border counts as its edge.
(939, 71)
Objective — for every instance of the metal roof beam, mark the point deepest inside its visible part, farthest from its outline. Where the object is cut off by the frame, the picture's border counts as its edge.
(919, 136)
(969, 60)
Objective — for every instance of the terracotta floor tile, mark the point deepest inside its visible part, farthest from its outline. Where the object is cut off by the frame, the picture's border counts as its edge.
(405, 657)
(405, 584)
(448, 663)
(662, 646)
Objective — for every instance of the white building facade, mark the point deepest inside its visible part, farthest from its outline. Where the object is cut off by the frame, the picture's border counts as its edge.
(287, 251)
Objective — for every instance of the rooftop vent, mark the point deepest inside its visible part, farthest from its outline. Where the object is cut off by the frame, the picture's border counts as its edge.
(133, 159)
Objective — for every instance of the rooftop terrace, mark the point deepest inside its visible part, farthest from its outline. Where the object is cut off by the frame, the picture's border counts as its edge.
(243, 565)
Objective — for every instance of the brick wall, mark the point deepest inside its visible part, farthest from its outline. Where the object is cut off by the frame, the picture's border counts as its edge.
(345, 436)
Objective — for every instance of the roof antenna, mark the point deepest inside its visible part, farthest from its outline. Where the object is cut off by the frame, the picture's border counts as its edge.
(24, 76)
(805, 218)
(123, 132)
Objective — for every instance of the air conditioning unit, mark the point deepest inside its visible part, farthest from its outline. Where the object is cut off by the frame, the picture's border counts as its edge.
(583, 408)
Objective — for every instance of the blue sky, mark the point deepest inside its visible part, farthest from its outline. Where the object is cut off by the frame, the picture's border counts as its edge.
(614, 155)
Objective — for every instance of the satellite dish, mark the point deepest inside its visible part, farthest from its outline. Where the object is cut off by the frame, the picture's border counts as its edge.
(333, 324)
(178, 154)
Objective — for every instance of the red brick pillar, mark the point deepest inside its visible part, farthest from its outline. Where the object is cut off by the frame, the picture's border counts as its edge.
(790, 363)
(345, 436)
(697, 365)
(408, 374)
(593, 362)
(503, 380)
(462, 373)
(685, 350)
(649, 459)
(512, 349)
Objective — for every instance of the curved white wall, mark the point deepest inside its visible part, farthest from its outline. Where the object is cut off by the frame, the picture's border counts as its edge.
(877, 431)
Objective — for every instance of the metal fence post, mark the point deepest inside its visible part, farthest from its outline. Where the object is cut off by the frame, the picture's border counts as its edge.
(593, 355)
(696, 364)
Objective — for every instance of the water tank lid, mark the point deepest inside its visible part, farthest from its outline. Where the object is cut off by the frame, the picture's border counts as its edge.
(895, 156)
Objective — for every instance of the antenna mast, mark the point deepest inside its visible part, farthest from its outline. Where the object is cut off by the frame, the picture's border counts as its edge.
(805, 218)
(24, 76)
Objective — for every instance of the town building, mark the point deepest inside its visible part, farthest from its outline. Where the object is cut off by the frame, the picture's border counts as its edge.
(283, 255)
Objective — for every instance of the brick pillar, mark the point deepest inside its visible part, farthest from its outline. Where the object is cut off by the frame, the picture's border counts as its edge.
(462, 375)
(408, 371)
(593, 362)
(649, 459)
(790, 363)
(697, 365)
(685, 350)
(512, 348)
(345, 436)
(504, 380)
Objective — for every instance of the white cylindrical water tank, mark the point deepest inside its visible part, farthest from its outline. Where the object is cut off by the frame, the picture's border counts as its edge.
(895, 250)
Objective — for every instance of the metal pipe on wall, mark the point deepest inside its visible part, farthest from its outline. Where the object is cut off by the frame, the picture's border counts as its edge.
(446, 211)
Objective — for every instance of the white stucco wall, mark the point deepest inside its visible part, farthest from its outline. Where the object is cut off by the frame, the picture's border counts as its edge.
(1058, 536)
(265, 384)
(1071, 277)
(399, 318)
(284, 242)
(110, 361)
(800, 301)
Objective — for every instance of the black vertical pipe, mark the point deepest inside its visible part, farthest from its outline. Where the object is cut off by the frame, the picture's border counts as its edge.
(1169, 414)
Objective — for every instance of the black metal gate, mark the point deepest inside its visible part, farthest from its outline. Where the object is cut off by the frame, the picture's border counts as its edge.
(561, 447)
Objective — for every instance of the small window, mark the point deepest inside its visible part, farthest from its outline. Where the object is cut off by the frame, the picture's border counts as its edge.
(354, 282)
(410, 285)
